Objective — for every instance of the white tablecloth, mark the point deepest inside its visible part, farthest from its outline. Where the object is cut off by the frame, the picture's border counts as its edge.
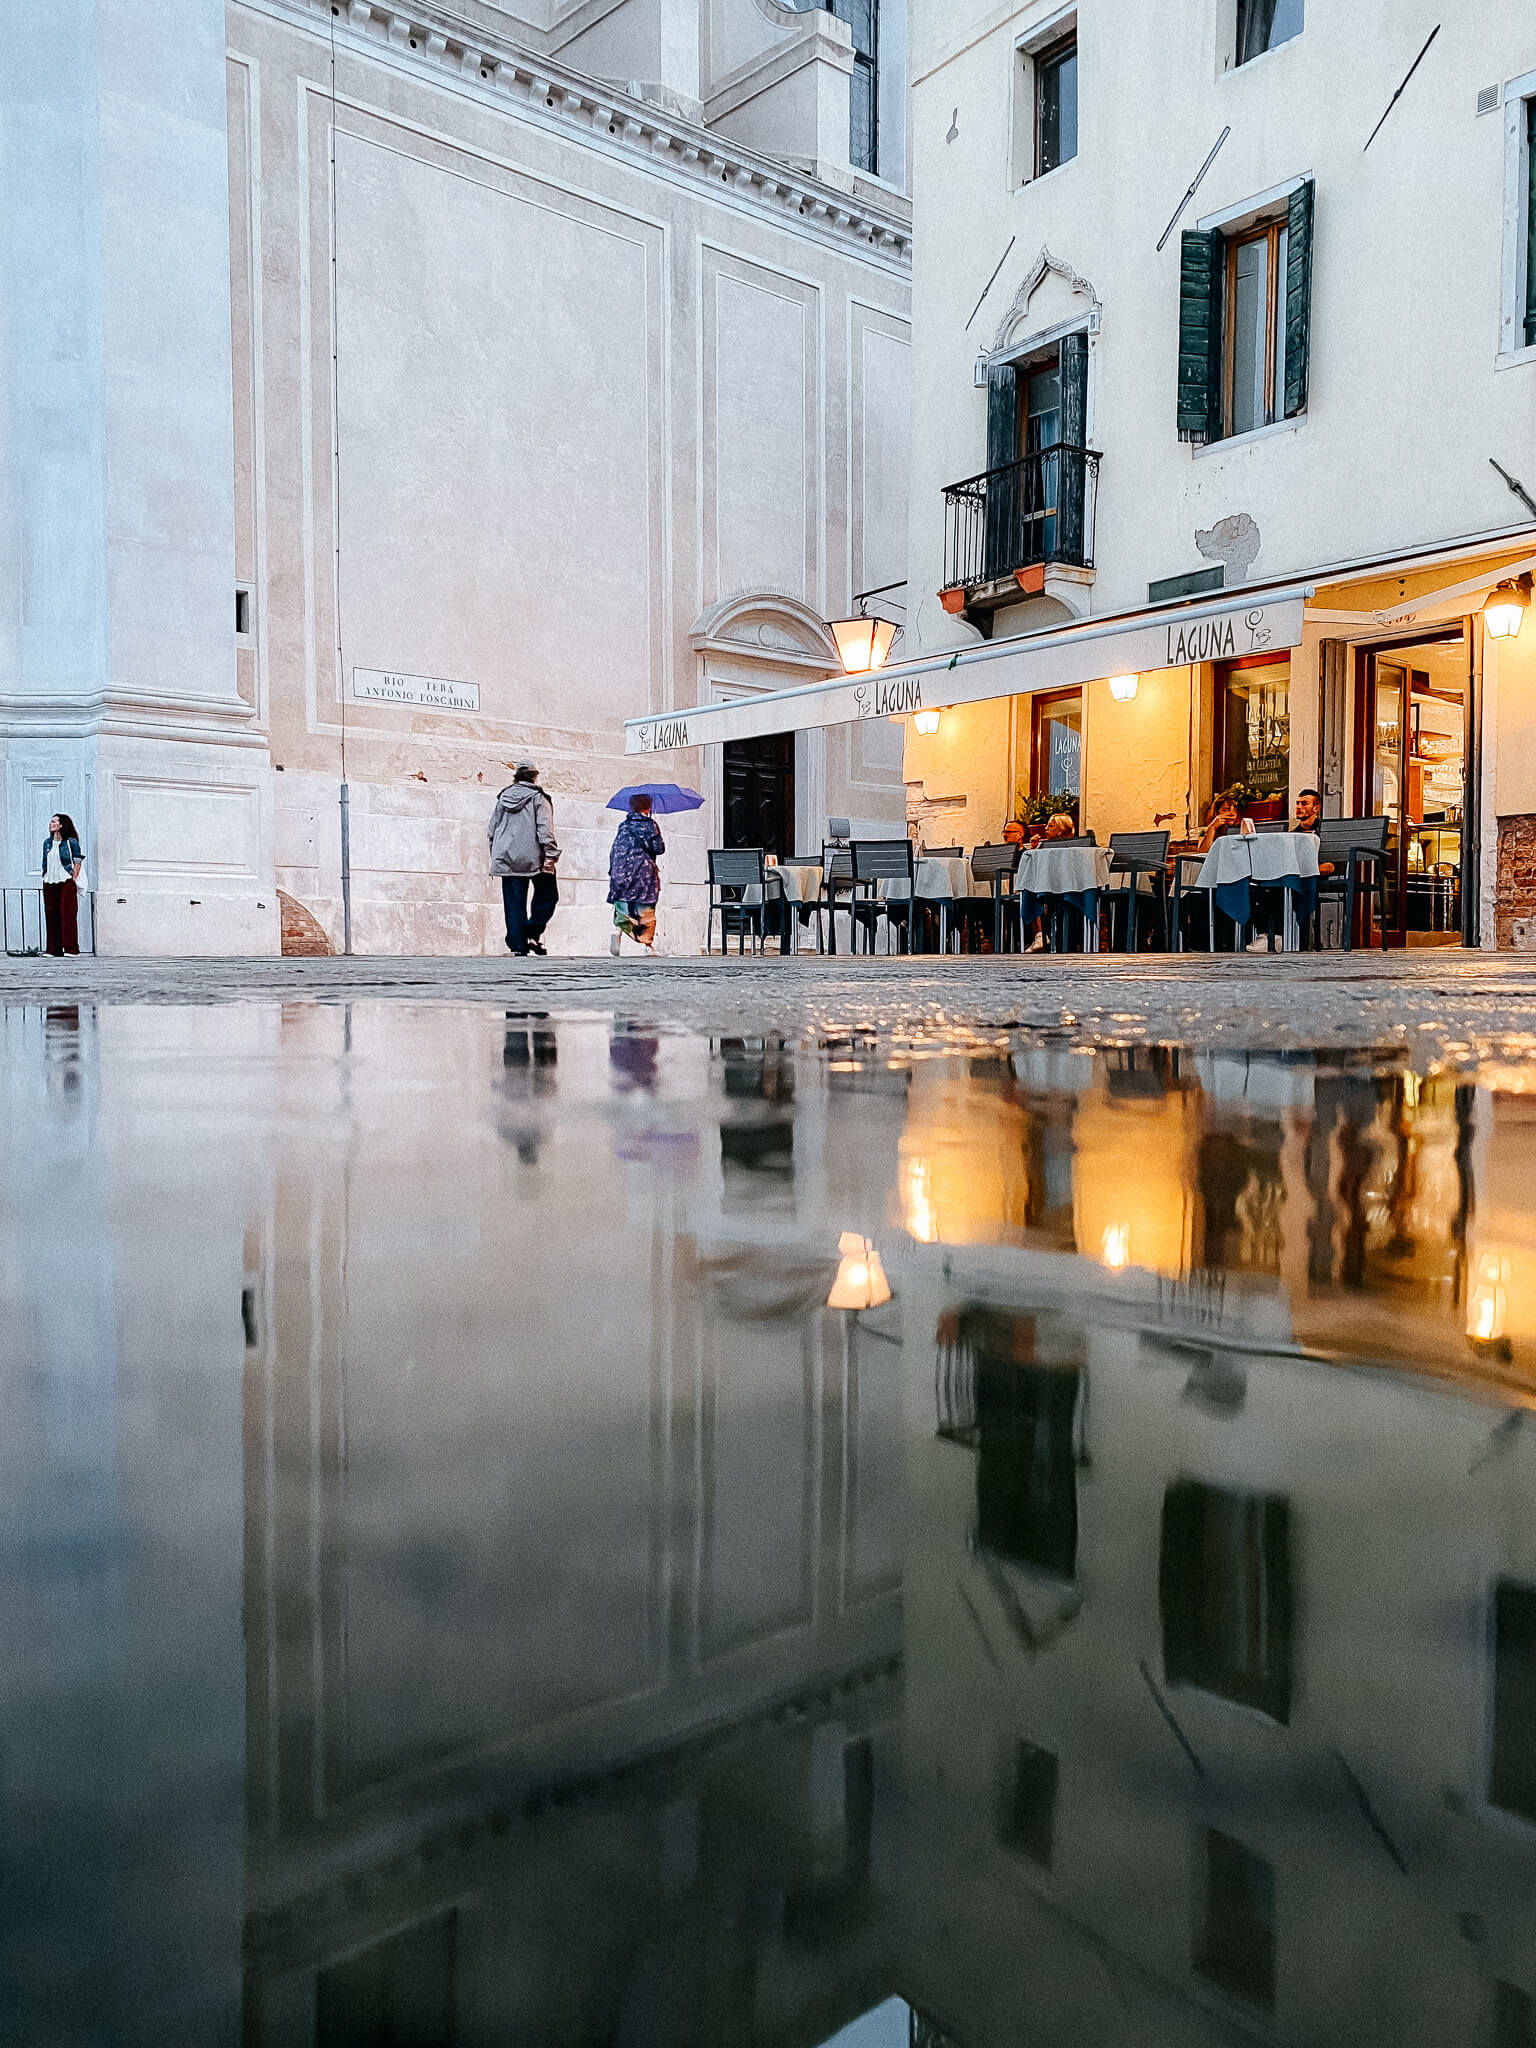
(1266, 857)
(939, 879)
(1064, 870)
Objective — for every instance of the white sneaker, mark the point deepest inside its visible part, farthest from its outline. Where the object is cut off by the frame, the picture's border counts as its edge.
(613, 945)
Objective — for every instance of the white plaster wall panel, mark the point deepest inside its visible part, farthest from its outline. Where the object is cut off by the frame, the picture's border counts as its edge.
(245, 323)
(52, 498)
(496, 484)
(180, 828)
(880, 412)
(166, 320)
(877, 1523)
(761, 501)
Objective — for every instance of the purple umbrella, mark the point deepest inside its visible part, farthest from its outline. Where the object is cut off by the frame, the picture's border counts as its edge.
(664, 796)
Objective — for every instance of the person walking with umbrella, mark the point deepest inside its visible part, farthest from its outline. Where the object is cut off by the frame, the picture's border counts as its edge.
(634, 880)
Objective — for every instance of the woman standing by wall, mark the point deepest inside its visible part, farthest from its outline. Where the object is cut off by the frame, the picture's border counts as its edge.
(63, 862)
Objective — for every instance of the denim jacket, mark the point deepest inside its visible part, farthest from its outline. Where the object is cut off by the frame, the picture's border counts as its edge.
(69, 851)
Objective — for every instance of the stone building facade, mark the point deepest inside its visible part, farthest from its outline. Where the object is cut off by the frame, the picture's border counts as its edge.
(562, 352)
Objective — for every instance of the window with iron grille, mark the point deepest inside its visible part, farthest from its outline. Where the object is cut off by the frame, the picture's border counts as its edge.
(863, 18)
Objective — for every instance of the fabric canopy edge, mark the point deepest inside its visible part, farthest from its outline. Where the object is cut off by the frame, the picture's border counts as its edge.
(1137, 642)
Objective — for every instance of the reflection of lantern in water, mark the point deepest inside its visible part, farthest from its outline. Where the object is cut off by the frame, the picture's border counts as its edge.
(1115, 1247)
(917, 1191)
(1488, 1302)
(861, 1281)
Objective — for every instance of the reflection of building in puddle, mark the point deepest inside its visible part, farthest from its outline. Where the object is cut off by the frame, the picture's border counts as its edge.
(572, 1608)
(1202, 1635)
(1344, 1190)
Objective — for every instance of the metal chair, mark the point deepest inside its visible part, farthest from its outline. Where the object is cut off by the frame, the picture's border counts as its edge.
(836, 874)
(884, 860)
(1350, 846)
(732, 871)
(1134, 854)
(942, 853)
(996, 865)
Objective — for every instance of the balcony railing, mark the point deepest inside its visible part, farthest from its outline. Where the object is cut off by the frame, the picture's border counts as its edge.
(1038, 510)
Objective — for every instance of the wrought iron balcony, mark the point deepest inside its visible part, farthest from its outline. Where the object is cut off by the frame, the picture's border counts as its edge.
(1026, 515)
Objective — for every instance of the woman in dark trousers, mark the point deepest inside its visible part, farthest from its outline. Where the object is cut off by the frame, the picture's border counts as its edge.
(62, 862)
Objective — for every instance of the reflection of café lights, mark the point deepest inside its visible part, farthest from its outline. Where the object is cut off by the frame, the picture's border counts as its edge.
(1115, 1247)
(861, 1281)
(917, 1200)
(1488, 1302)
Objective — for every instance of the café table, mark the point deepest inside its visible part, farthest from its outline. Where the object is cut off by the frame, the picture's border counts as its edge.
(792, 883)
(1065, 874)
(938, 879)
(1283, 860)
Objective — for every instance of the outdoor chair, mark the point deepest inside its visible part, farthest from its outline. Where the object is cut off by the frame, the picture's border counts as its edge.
(996, 865)
(732, 871)
(1356, 849)
(1132, 855)
(942, 853)
(1271, 825)
(836, 875)
(884, 860)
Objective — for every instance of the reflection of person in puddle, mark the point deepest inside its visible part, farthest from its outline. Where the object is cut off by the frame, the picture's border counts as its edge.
(633, 1060)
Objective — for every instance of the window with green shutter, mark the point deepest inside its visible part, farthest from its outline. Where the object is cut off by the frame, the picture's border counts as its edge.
(1245, 322)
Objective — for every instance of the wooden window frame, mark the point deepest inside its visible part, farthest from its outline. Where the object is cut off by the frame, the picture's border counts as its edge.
(1042, 60)
(1040, 706)
(1269, 231)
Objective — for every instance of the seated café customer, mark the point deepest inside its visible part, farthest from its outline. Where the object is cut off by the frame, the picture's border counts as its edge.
(1223, 818)
(1060, 825)
(1309, 815)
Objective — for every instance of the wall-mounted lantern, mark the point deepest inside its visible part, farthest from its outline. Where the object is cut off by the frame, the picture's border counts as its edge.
(1505, 609)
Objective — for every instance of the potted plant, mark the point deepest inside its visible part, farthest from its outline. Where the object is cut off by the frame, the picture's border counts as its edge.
(1030, 813)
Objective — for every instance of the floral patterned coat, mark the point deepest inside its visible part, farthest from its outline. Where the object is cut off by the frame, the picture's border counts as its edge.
(633, 876)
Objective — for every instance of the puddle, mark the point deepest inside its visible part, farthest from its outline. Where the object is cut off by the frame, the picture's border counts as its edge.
(463, 1584)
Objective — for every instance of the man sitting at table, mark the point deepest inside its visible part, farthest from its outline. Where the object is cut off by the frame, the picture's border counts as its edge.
(1309, 816)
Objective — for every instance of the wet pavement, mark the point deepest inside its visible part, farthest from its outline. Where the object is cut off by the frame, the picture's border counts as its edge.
(560, 1519)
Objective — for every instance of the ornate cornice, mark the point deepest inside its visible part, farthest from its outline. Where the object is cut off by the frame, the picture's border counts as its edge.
(437, 44)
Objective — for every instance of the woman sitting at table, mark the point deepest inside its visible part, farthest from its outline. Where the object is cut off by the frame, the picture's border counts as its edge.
(1223, 817)
(1061, 825)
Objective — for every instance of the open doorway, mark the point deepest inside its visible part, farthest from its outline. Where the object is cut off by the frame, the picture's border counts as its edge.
(758, 785)
(1413, 729)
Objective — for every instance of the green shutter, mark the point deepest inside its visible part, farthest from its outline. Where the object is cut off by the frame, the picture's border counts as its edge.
(1071, 479)
(1200, 282)
(1530, 223)
(1298, 299)
(1002, 415)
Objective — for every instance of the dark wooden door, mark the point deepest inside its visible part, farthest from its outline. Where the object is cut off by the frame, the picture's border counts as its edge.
(760, 793)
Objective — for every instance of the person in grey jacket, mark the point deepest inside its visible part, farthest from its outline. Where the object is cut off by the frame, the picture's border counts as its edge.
(525, 856)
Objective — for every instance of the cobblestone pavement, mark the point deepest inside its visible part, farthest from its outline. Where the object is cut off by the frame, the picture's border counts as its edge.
(1442, 1006)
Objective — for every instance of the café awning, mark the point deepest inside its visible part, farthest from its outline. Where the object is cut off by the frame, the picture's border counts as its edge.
(1222, 628)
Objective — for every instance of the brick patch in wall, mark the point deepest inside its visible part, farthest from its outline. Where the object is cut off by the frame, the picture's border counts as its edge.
(1515, 902)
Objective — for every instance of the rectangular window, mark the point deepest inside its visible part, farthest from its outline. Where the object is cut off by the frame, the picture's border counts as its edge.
(1026, 1465)
(1245, 318)
(1253, 729)
(1235, 1946)
(863, 18)
(1030, 1822)
(1512, 1772)
(1530, 223)
(1255, 329)
(1056, 105)
(1225, 1593)
(1056, 763)
(1266, 24)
